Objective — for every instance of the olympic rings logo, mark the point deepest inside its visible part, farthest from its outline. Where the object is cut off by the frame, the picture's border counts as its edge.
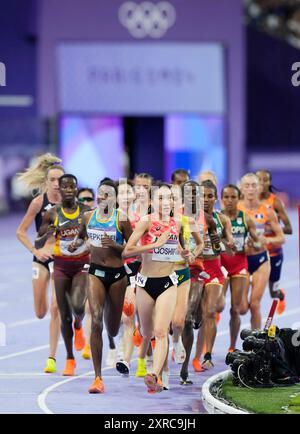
(147, 18)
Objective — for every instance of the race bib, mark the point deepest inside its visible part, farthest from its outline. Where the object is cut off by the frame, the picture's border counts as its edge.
(239, 243)
(65, 244)
(141, 280)
(96, 235)
(167, 253)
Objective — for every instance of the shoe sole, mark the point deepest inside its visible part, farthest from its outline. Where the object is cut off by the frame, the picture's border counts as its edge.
(122, 368)
(152, 385)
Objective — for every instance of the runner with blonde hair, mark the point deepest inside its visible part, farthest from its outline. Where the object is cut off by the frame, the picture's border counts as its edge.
(42, 177)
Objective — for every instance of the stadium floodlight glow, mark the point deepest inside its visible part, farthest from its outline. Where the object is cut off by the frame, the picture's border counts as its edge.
(147, 18)
(2, 74)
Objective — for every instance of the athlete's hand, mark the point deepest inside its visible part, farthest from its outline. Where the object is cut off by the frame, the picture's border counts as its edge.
(43, 254)
(215, 238)
(107, 242)
(162, 239)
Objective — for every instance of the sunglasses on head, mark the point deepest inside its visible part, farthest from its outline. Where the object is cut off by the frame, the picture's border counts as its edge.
(86, 199)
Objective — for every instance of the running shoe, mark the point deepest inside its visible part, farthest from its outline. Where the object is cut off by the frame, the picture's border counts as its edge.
(137, 338)
(165, 377)
(141, 369)
(197, 365)
(173, 354)
(230, 350)
(218, 317)
(179, 352)
(185, 381)
(69, 370)
(86, 352)
(97, 386)
(128, 308)
(79, 340)
(153, 383)
(112, 358)
(282, 303)
(153, 343)
(50, 367)
(123, 367)
(207, 362)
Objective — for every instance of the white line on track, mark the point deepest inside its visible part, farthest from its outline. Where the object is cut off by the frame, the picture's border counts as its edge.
(31, 350)
(43, 396)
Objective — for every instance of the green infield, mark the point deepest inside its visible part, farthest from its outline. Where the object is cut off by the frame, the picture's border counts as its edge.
(277, 400)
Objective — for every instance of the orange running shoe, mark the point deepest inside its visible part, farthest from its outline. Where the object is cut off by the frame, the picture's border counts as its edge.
(97, 386)
(128, 308)
(218, 317)
(281, 304)
(137, 338)
(197, 365)
(69, 370)
(153, 383)
(230, 350)
(153, 343)
(79, 340)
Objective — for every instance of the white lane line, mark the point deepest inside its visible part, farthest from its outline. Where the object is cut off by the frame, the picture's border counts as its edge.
(22, 353)
(26, 322)
(43, 396)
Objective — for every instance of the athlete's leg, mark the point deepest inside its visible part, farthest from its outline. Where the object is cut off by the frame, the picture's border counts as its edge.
(96, 297)
(78, 297)
(145, 307)
(238, 286)
(211, 296)
(114, 306)
(259, 282)
(244, 306)
(62, 287)
(128, 322)
(54, 323)
(40, 282)
(188, 330)
(180, 309)
(164, 311)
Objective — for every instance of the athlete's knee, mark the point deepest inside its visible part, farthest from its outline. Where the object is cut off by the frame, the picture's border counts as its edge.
(66, 319)
(234, 311)
(178, 322)
(97, 326)
(160, 333)
(254, 305)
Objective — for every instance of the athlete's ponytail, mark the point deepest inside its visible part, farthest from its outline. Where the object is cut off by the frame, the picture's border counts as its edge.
(35, 176)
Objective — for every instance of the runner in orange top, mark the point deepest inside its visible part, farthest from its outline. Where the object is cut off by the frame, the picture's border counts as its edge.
(276, 254)
(257, 255)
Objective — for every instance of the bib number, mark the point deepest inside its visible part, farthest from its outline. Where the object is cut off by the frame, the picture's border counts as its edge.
(140, 280)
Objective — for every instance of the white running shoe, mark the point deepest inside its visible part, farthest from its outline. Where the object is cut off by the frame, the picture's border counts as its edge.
(122, 367)
(112, 358)
(179, 352)
(165, 377)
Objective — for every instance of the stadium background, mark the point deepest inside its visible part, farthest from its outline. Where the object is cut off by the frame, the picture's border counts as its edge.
(240, 114)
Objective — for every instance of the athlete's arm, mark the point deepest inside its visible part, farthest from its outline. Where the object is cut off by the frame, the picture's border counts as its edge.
(198, 240)
(131, 248)
(33, 209)
(282, 215)
(252, 229)
(227, 237)
(278, 239)
(82, 234)
(126, 230)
